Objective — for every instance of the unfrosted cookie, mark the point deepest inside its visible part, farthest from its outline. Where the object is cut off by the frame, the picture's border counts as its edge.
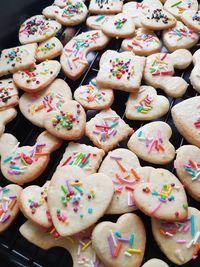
(35, 106)
(96, 22)
(119, 26)
(105, 6)
(121, 243)
(151, 143)
(163, 197)
(159, 71)
(88, 158)
(194, 76)
(73, 59)
(107, 129)
(155, 263)
(72, 14)
(79, 245)
(24, 164)
(176, 7)
(6, 116)
(180, 240)
(144, 43)
(89, 199)
(49, 49)
(179, 37)
(157, 19)
(146, 104)
(8, 94)
(38, 29)
(186, 117)
(17, 58)
(37, 78)
(191, 18)
(92, 97)
(9, 197)
(68, 122)
(33, 204)
(120, 71)
(187, 165)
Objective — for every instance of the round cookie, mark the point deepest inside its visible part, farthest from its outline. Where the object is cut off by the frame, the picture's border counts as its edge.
(191, 19)
(155, 263)
(92, 97)
(8, 94)
(68, 123)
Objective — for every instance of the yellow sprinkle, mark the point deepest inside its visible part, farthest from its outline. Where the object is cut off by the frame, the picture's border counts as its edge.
(86, 245)
(133, 250)
(44, 72)
(76, 183)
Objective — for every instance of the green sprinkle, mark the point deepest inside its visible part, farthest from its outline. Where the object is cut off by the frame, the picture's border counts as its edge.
(99, 18)
(176, 4)
(140, 134)
(7, 159)
(63, 189)
(90, 210)
(185, 206)
(118, 234)
(131, 240)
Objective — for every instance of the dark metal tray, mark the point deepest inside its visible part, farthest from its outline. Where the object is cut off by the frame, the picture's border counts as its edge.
(14, 249)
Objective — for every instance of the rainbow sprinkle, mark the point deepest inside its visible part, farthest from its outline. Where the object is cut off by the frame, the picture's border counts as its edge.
(7, 203)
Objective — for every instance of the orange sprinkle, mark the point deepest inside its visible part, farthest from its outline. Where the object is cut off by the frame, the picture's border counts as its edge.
(195, 249)
(118, 190)
(162, 232)
(121, 166)
(192, 164)
(161, 147)
(12, 203)
(53, 230)
(42, 154)
(1, 212)
(135, 174)
(117, 250)
(126, 177)
(156, 145)
(75, 59)
(40, 107)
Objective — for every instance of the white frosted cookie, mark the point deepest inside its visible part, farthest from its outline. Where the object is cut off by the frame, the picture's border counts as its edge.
(88, 158)
(24, 164)
(146, 104)
(38, 29)
(49, 49)
(37, 78)
(157, 19)
(188, 169)
(155, 263)
(96, 22)
(9, 197)
(74, 57)
(79, 245)
(120, 71)
(180, 240)
(159, 71)
(17, 58)
(192, 19)
(89, 199)
(194, 76)
(144, 43)
(72, 14)
(121, 243)
(151, 143)
(119, 26)
(107, 129)
(176, 7)
(34, 106)
(163, 197)
(8, 94)
(188, 126)
(68, 122)
(179, 37)
(105, 6)
(6, 116)
(33, 204)
(92, 97)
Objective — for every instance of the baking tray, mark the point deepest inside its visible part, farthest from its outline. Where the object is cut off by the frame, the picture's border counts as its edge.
(14, 249)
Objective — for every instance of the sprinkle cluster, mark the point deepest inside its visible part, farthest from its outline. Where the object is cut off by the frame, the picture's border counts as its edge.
(73, 9)
(145, 105)
(181, 33)
(193, 169)
(79, 159)
(152, 143)
(14, 54)
(35, 26)
(7, 203)
(159, 67)
(6, 94)
(46, 48)
(90, 93)
(121, 68)
(182, 6)
(120, 23)
(158, 15)
(196, 17)
(142, 39)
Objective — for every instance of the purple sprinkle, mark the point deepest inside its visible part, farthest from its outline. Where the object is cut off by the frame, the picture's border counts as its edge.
(97, 263)
(68, 186)
(5, 218)
(114, 157)
(96, 132)
(40, 145)
(16, 158)
(109, 238)
(115, 132)
(123, 239)
(11, 197)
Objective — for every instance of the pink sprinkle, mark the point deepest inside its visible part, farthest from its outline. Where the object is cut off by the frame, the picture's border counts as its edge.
(116, 182)
(194, 257)
(181, 241)
(10, 172)
(126, 181)
(151, 145)
(157, 206)
(186, 228)
(114, 157)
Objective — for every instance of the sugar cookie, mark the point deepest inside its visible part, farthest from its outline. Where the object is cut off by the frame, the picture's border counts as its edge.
(155, 263)
(96, 22)
(8, 94)
(6, 116)
(191, 19)
(194, 76)
(105, 6)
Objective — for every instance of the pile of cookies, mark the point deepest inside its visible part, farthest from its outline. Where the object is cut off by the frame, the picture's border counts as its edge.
(102, 179)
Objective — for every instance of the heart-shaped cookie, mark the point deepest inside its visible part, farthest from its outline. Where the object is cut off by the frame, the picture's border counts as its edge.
(146, 104)
(92, 97)
(180, 240)
(74, 57)
(24, 164)
(79, 245)
(6, 116)
(9, 196)
(179, 37)
(8, 94)
(151, 143)
(121, 243)
(37, 78)
(163, 197)
(194, 76)
(35, 106)
(68, 123)
(76, 201)
(188, 169)
(188, 126)
(38, 29)
(155, 263)
(33, 204)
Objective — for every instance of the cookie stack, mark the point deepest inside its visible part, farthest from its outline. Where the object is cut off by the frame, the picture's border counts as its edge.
(122, 169)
